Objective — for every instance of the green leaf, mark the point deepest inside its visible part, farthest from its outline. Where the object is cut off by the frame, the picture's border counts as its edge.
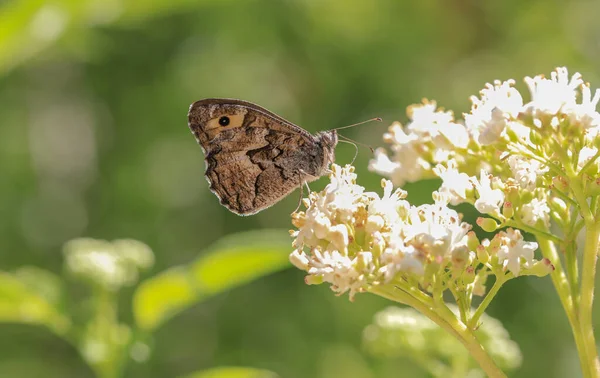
(32, 295)
(232, 261)
(233, 372)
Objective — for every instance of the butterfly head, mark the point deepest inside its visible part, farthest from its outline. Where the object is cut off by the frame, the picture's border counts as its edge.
(328, 139)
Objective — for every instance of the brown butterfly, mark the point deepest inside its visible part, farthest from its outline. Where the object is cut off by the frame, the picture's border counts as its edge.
(254, 158)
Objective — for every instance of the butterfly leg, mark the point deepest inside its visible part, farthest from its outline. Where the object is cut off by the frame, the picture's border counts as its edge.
(299, 199)
(304, 183)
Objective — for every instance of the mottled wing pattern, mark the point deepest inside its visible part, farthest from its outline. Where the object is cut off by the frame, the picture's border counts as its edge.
(257, 158)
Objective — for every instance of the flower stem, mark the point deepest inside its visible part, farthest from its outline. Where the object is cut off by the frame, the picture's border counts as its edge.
(591, 366)
(532, 230)
(500, 280)
(450, 324)
(563, 289)
(588, 275)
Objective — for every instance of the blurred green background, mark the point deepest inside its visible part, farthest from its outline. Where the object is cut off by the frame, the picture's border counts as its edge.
(94, 142)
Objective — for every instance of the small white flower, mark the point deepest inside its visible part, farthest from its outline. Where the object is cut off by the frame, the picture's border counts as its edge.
(455, 183)
(490, 199)
(585, 114)
(431, 134)
(109, 264)
(550, 96)
(534, 211)
(427, 120)
(390, 203)
(489, 115)
(526, 171)
(514, 252)
(406, 165)
(436, 229)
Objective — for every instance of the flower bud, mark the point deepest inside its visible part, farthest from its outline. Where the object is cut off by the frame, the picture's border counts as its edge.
(460, 256)
(593, 188)
(526, 196)
(338, 236)
(468, 276)
(536, 138)
(482, 254)
(487, 224)
(479, 283)
(363, 261)
(560, 211)
(472, 241)
(513, 196)
(560, 183)
(507, 210)
(299, 260)
(540, 268)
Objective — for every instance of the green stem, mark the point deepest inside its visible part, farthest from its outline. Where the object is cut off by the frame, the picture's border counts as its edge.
(461, 303)
(572, 271)
(588, 275)
(450, 324)
(588, 164)
(532, 230)
(500, 280)
(562, 287)
(588, 271)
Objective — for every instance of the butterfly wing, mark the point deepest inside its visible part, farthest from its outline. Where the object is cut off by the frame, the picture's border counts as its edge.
(253, 157)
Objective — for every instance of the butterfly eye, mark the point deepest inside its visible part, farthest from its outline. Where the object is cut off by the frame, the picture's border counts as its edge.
(224, 121)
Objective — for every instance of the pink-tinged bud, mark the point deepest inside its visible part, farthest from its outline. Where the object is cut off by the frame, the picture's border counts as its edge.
(540, 268)
(513, 196)
(460, 256)
(482, 254)
(313, 280)
(468, 276)
(472, 241)
(494, 245)
(593, 188)
(560, 183)
(487, 224)
(507, 210)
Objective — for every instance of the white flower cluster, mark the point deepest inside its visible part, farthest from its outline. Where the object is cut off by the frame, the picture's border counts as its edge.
(503, 144)
(354, 239)
(430, 138)
(404, 332)
(108, 264)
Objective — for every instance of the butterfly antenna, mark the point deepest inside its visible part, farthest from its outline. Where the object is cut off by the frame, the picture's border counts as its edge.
(378, 119)
(345, 139)
(355, 147)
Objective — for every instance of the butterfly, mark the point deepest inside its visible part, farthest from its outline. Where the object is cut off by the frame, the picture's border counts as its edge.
(254, 158)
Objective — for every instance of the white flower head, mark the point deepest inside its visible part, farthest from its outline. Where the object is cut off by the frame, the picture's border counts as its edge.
(585, 113)
(535, 211)
(431, 134)
(378, 239)
(514, 252)
(456, 184)
(109, 264)
(391, 204)
(499, 103)
(490, 198)
(526, 171)
(406, 165)
(551, 96)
